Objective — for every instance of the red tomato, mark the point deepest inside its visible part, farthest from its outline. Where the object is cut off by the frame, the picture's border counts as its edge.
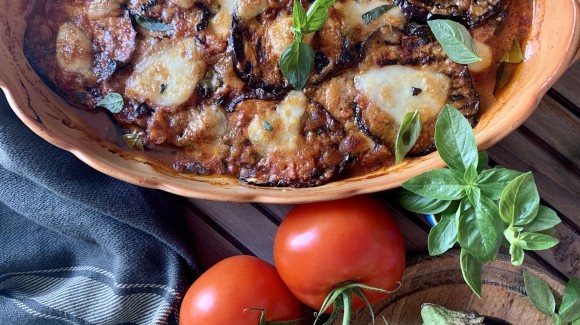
(320, 246)
(223, 294)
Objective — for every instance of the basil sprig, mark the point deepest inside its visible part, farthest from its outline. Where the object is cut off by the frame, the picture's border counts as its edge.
(298, 58)
(113, 102)
(455, 40)
(543, 299)
(408, 134)
(464, 197)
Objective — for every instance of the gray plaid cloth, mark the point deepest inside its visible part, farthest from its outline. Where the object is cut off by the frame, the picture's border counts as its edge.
(79, 247)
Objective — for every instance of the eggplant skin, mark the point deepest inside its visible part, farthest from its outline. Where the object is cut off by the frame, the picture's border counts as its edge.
(473, 16)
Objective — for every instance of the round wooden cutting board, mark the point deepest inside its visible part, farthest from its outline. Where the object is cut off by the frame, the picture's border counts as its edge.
(438, 280)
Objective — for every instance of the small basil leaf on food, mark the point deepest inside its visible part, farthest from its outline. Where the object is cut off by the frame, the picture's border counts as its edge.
(371, 15)
(471, 271)
(408, 134)
(444, 234)
(421, 204)
(517, 254)
(455, 140)
(504, 73)
(455, 41)
(570, 306)
(296, 63)
(545, 219)
(514, 54)
(480, 229)
(493, 181)
(317, 15)
(534, 241)
(539, 293)
(135, 140)
(113, 102)
(482, 161)
(519, 200)
(152, 24)
(298, 16)
(442, 184)
(267, 126)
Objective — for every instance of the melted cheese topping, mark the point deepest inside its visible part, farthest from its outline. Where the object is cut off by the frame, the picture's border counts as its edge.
(186, 4)
(73, 50)
(247, 9)
(167, 77)
(391, 89)
(221, 22)
(286, 126)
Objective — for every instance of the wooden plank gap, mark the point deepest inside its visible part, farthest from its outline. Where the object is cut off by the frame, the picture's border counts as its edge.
(217, 228)
(566, 163)
(564, 101)
(269, 214)
(546, 265)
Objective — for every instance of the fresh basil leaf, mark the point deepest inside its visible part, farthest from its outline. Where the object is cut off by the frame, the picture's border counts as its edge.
(408, 134)
(480, 229)
(420, 204)
(442, 184)
(455, 140)
(296, 63)
(444, 234)
(482, 161)
(576, 322)
(570, 306)
(539, 293)
(519, 200)
(517, 254)
(557, 319)
(535, 242)
(298, 15)
(545, 219)
(371, 15)
(470, 175)
(152, 24)
(317, 15)
(473, 193)
(135, 140)
(471, 271)
(493, 181)
(113, 102)
(455, 41)
(511, 235)
(515, 53)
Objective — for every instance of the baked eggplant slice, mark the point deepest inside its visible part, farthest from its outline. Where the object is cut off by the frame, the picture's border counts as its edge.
(416, 75)
(293, 142)
(472, 13)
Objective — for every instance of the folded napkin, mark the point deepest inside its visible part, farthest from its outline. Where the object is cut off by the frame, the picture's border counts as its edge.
(79, 247)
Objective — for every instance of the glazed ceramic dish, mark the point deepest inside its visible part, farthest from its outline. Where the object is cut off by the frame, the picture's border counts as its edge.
(552, 48)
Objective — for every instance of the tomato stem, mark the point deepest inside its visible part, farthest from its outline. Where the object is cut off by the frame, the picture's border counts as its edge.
(340, 298)
(263, 320)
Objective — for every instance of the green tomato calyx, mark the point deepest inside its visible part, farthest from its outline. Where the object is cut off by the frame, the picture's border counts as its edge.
(340, 298)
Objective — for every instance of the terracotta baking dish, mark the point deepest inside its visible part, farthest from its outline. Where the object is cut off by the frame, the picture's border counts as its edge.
(553, 47)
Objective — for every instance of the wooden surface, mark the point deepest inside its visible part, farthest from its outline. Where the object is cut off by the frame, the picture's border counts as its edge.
(547, 144)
